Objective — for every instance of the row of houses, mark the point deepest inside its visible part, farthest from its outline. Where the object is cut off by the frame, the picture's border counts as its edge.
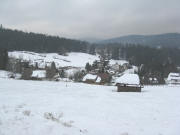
(124, 83)
(96, 77)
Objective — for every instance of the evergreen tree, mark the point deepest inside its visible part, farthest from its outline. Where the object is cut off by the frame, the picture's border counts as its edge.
(115, 53)
(92, 50)
(88, 67)
(51, 72)
(3, 58)
(62, 74)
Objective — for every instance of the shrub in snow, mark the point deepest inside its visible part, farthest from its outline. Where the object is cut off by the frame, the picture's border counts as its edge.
(62, 74)
(56, 118)
(78, 76)
(88, 67)
(27, 112)
(51, 116)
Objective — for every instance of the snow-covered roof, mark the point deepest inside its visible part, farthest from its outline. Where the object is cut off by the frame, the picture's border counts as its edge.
(173, 76)
(39, 74)
(98, 80)
(128, 79)
(89, 77)
(132, 70)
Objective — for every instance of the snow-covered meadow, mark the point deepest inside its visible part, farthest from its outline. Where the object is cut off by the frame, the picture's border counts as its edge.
(73, 59)
(67, 108)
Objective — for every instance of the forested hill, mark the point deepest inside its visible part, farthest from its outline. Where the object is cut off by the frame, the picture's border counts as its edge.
(162, 40)
(19, 40)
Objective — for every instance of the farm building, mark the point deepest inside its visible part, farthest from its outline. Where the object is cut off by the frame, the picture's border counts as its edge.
(38, 74)
(153, 80)
(173, 78)
(128, 83)
(91, 79)
(105, 78)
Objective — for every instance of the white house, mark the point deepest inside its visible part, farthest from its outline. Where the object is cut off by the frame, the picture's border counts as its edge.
(39, 74)
(173, 78)
(90, 78)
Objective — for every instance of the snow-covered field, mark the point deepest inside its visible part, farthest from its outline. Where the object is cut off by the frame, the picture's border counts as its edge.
(73, 59)
(66, 108)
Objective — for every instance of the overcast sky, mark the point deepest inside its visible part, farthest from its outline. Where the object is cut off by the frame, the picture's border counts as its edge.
(91, 18)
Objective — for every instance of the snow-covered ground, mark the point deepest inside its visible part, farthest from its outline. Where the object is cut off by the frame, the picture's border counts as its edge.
(66, 108)
(7, 74)
(73, 59)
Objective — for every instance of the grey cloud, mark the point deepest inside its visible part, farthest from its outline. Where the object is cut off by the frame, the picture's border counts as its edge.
(92, 18)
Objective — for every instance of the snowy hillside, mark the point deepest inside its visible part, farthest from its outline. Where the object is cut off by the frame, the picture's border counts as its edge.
(72, 59)
(65, 108)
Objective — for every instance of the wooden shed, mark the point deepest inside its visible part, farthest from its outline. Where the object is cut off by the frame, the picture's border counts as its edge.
(128, 83)
(91, 79)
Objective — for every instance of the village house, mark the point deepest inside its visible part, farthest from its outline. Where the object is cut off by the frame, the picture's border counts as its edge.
(111, 72)
(91, 79)
(173, 78)
(38, 74)
(100, 64)
(153, 80)
(105, 78)
(128, 83)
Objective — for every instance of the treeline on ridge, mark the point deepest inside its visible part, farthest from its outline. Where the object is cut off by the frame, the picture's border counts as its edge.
(19, 40)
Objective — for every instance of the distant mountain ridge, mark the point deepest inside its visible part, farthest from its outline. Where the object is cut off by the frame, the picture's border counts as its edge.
(163, 40)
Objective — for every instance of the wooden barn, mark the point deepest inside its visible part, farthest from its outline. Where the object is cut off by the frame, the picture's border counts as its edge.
(91, 79)
(105, 78)
(128, 83)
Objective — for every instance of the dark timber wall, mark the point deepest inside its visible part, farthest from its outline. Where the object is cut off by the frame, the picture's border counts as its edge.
(121, 88)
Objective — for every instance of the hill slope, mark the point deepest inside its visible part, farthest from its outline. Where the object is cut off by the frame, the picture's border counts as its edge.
(166, 40)
(73, 59)
(19, 40)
